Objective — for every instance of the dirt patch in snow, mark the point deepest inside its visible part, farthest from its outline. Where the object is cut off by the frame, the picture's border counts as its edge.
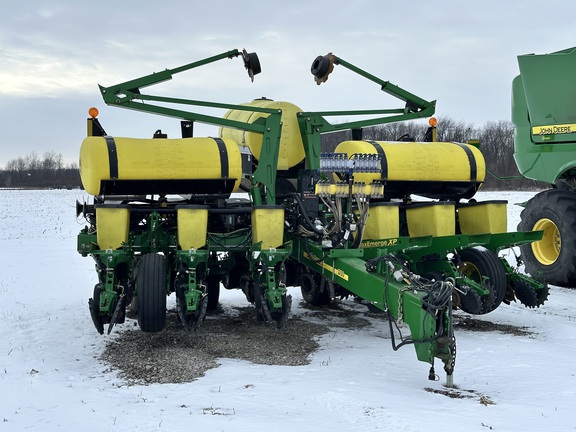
(468, 323)
(175, 355)
(457, 393)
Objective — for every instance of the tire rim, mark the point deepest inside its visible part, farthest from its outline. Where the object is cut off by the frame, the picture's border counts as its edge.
(547, 250)
(470, 270)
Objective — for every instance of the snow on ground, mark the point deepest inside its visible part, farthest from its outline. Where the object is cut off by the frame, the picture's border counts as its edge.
(51, 378)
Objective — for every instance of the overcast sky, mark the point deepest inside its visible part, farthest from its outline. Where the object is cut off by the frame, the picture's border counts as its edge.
(463, 54)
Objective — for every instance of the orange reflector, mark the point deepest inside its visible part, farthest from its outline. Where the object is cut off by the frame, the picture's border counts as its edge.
(433, 122)
(93, 112)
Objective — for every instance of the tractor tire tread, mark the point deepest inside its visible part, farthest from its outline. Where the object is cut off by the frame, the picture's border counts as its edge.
(560, 207)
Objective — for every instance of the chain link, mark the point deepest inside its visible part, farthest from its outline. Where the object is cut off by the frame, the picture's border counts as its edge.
(400, 318)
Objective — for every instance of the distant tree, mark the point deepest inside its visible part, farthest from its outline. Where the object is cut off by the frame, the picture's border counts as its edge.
(32, 162)
(450, 130)
(32, 171)
(52, 161)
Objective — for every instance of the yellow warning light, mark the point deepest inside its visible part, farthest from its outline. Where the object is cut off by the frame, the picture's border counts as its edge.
(93, 112)
(433, 122)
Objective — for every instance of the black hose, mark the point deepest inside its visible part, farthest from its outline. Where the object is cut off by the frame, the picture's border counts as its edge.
(437, 298)
(310, 224)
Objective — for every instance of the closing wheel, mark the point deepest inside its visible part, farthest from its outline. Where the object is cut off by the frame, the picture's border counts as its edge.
(553, 258)
(94, 306)
(483, 266)
(190, 320)
(542, 295)
(259, 301)
(328, 292)
(316, 289)
(528, 296)
(309, 288)
(525, 294)
(151, 293)
(469, 302)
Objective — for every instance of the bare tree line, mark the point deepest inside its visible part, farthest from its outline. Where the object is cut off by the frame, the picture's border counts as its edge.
(496, 142)
(48, 171)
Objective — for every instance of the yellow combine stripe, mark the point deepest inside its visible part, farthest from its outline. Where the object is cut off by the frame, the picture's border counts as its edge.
(554, 129)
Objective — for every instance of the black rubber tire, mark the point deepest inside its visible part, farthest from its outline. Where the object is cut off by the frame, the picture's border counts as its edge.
(314, 288)
(151, 293)
(94, 306)
(258, 298)
(526, 294)
(293, 272)
(471, 302)
(324, 298)
(320, 66)
(487, 265)
(213, 288)
(559, 207)
(309, 288)
(255, 63)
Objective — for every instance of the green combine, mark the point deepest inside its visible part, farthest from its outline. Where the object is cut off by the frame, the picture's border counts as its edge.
(260, 207)
(544, 113)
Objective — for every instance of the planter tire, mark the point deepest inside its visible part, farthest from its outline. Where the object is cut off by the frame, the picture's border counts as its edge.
(478, 263)
(151, 293)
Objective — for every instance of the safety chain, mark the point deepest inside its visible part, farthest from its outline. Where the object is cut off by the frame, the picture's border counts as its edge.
(449, 367)
(400, 318)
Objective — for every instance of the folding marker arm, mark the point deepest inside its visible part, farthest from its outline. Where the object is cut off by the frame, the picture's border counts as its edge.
(128, 94)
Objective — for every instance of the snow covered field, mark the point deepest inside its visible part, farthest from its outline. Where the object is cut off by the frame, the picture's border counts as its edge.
(51, 378)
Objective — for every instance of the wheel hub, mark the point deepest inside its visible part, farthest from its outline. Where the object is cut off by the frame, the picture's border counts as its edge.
(547, 250)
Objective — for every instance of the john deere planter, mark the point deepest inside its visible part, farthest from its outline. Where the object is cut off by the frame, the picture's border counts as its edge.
(165, 217)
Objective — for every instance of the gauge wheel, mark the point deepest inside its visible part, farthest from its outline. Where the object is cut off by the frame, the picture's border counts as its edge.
(94, 306)
(483, 266)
